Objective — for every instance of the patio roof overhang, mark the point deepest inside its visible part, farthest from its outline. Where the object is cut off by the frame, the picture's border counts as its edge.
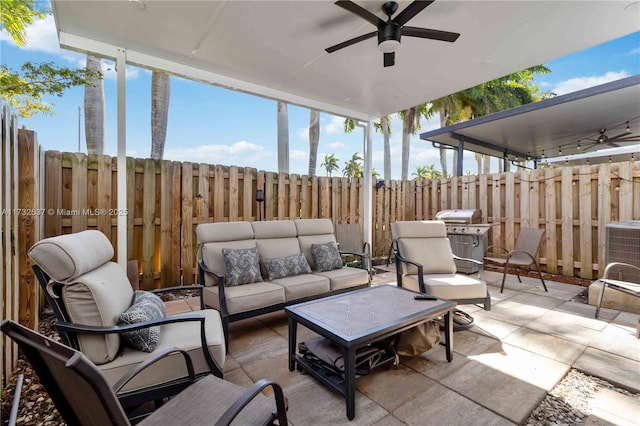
(552, 127)
(275, 49)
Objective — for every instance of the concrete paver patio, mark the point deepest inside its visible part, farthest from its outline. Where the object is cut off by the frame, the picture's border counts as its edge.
(502, 367)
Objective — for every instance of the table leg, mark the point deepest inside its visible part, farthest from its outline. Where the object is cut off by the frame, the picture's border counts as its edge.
(448, 334)
(293, 329)
(350, 381)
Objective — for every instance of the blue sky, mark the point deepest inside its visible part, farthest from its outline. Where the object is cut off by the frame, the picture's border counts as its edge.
(218, 126)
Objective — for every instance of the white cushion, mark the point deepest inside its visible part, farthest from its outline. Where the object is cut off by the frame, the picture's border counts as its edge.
(448, 286)
(66, 257)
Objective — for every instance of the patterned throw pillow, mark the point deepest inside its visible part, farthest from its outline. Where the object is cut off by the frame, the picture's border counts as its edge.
(281, 267)
(326, 256)
(146, 306)
(242, 266)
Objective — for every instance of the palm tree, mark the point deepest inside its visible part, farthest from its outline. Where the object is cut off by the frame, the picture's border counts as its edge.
(384, 127)
(410, 124)
(353, 168)
(330, 163)
(283, 138)
(503, 93)
(160, 91)
(314, 137)
(94, 113)
(374, 175)
(426, 172)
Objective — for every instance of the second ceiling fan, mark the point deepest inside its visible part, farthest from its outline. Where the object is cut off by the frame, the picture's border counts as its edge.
(390, 31)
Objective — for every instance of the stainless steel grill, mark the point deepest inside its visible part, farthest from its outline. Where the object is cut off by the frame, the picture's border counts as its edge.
(468, 237)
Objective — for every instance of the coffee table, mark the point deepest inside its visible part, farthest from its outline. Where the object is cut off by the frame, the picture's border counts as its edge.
(358, 318)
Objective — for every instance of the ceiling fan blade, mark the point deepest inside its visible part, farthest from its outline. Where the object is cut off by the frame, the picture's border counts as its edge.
(614, 145)
(361, 12)
(350, 42)
(389, 59)
(410, 11)
(630, 138)
(430, 34)
(589, 147)
(619, 136)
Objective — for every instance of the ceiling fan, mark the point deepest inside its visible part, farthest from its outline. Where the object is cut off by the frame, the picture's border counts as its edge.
(391, 31)
(612, 141)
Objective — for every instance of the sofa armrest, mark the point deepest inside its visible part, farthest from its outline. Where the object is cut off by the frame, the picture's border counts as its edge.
(203, 269)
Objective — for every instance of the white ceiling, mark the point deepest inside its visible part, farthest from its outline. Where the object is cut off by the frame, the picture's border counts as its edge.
(276, 48)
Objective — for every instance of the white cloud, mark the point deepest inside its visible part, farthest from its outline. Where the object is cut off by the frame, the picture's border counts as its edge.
(335, 126)
(337, 145)
(635, 51)
(303, 134)
(241, 153)
(579, 83)
(298, 155)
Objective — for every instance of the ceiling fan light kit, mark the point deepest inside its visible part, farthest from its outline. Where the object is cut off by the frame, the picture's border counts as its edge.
(391, 31)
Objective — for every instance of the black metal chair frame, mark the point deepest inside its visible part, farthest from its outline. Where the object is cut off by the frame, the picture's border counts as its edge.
(69, 331)
(38, 349)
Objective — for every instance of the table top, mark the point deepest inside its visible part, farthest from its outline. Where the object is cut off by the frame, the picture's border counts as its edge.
(353, 315)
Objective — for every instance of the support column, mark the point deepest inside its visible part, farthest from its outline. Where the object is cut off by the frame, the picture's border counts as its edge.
(121, 63)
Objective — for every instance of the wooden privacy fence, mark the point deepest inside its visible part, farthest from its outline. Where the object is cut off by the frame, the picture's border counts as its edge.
(57, 193)
(167, 200)
(20, 225)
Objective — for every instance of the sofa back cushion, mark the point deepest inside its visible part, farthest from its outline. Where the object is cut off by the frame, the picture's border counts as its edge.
(313, 231)
(424, 242)
(213, 237)
(275, 239)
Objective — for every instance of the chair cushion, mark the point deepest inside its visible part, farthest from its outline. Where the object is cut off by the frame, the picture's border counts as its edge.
(146, 307)
(182, 335)
(281, 267)
(242, 266)
(273, 229)
(449, 286)
(66, 257)
(434, 254)
(326, 256)
(98, 298)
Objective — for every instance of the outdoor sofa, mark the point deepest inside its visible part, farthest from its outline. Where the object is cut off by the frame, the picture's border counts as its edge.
(253, 268)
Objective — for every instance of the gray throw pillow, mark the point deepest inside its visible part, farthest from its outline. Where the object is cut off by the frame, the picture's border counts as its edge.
(146, 307)
(242, 265)
(288, 266)
(326, 256)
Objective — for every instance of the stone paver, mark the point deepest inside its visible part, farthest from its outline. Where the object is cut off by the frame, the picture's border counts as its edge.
(615, 409)
(502, 367)
(613, 368)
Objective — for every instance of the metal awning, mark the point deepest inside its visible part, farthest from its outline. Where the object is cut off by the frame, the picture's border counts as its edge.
(552, 127)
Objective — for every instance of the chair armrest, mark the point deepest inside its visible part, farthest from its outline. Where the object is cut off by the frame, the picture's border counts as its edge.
(235, 409)
(466, 259)
(197, 288)
(612, 265)
(92, 329)
(152, 360)
(501, 249)
(203, 269)
(400, 259)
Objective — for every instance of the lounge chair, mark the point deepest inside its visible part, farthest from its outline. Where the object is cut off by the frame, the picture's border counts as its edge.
(90, 295)
(83, 396)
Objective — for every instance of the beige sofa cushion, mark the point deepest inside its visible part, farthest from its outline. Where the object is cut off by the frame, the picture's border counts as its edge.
(98, 298)
(314, 226)
(245, 297)
(274, 229)
(304, 285)
(345, 277)
(184, 335)
(66, 257)
(449, 286)
(213, 237)
(307, 240)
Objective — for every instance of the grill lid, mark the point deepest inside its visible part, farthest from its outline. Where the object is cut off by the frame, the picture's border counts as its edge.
(460, 216)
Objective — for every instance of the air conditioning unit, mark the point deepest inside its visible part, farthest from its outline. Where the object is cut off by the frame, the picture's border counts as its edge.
(623, 245)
